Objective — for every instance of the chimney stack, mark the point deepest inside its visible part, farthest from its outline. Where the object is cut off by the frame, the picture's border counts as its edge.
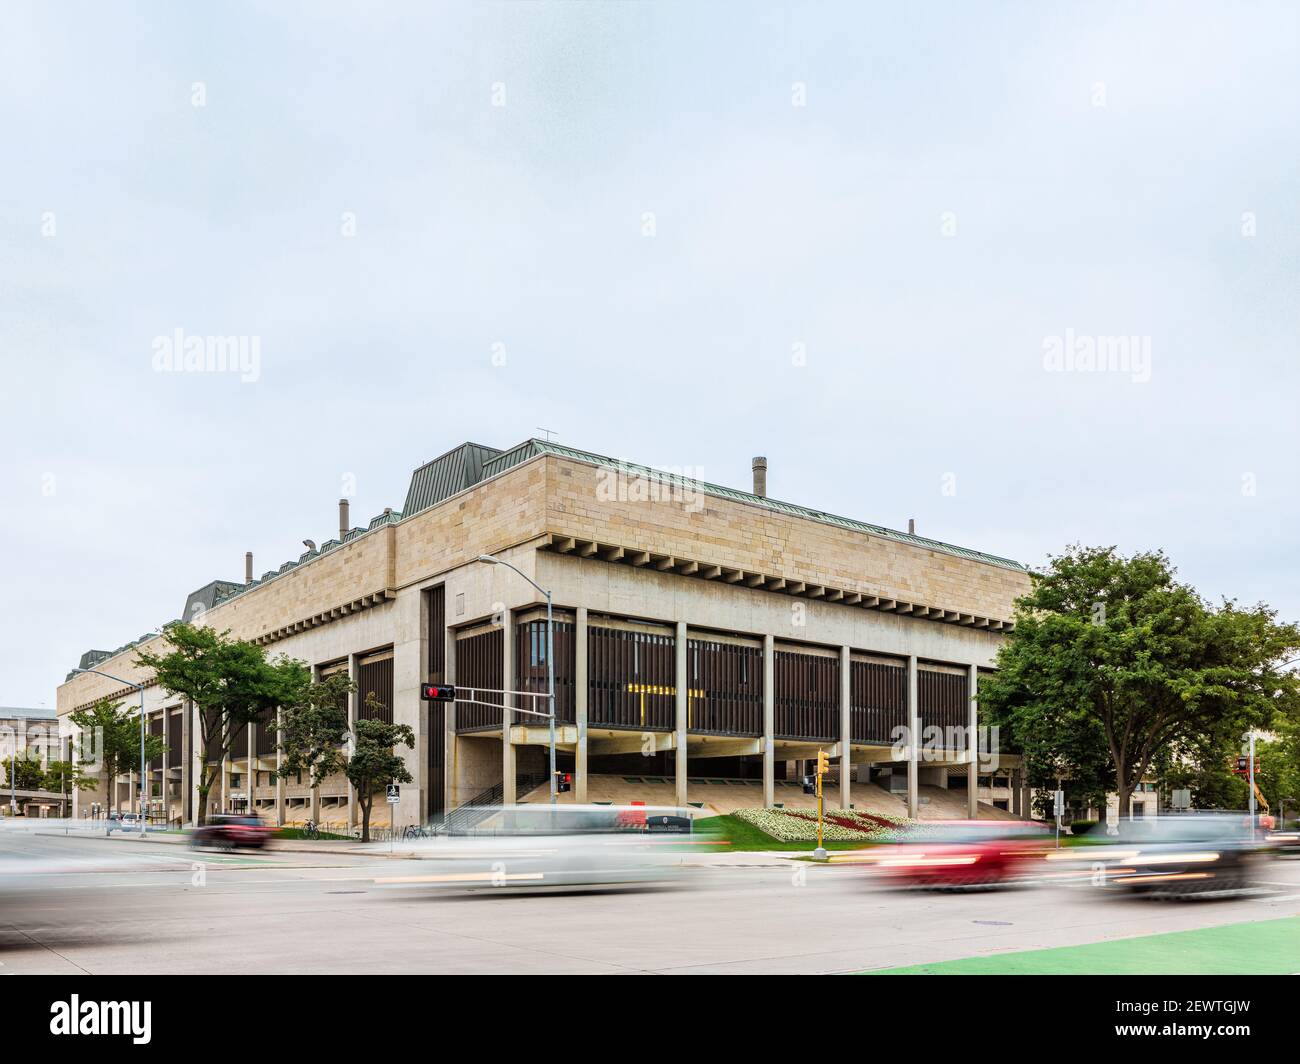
(344, 523)
(911, 526)
(760, 477)
(248, 566)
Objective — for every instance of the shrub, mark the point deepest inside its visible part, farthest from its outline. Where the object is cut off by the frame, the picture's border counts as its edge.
(1082, 827)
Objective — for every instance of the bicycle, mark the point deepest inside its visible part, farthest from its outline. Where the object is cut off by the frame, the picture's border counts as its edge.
(311, 830)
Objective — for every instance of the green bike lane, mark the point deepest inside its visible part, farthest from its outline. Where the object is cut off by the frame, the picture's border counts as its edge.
(1258, 947)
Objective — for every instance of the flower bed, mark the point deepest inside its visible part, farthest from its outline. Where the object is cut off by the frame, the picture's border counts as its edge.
(838, 825)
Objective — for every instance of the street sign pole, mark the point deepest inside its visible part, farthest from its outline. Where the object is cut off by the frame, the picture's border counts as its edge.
(1250, 769)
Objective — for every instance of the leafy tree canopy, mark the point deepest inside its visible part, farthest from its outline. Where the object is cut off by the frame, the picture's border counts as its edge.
(1113, 662)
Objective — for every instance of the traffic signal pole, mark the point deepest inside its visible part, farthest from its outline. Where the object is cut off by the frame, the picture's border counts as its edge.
(822, 765)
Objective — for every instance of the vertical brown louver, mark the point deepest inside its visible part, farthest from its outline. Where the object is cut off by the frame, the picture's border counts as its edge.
(479, 664)
(375, 677)
(531, 670)
(436, 603)
(878, 701)
(941, 699)
(725, 683)
(807, 696)
(630, 679)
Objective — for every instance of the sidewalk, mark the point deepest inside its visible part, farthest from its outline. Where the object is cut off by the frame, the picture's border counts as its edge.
(426, 850)
(172, 838)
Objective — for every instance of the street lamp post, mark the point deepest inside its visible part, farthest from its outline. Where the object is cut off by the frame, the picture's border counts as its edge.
(139, 688)
(550, 664)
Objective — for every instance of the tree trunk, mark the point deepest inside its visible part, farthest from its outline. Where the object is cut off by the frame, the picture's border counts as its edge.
(205, 785)
(1125, 798)
(365, 820)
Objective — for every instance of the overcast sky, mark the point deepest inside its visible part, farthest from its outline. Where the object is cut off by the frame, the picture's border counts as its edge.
(861, 240)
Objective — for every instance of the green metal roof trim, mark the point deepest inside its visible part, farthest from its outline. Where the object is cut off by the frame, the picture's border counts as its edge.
(534, 447)
(444, 476)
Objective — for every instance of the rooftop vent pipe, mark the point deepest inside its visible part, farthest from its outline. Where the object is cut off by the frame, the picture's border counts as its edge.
(344, 523)
(760, 477)
(248, 567)
(911, 526)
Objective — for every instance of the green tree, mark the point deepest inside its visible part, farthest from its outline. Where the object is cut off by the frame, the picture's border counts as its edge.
(314, 728)
(373, 763)
(24, 772)
(1113, 662)
(67, 776)
(1279, 766)
(232, 684)
(110, 743)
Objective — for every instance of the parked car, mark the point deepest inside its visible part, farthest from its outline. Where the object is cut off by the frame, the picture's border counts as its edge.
(231, 832)
(962, 854)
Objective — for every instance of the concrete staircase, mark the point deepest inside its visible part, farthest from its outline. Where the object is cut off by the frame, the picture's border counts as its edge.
(726, 796)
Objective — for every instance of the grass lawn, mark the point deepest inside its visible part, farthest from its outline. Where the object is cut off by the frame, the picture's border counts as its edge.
(1263, 947)
(736, 835)
(298, 833)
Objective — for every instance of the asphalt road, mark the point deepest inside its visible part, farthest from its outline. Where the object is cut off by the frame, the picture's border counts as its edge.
(90, 905)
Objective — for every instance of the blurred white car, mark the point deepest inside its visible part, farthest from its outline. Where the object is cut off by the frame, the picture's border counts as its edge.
(539, 847)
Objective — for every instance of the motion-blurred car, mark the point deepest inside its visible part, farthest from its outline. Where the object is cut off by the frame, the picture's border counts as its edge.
(230, 832)
(1182, 856)
(545, 847)
(1284, 842)
(962, 854)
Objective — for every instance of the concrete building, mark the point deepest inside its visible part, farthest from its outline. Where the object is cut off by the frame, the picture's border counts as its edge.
(30, 733)
(706, 638)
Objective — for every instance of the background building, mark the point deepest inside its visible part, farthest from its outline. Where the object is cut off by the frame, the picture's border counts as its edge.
(708, 642)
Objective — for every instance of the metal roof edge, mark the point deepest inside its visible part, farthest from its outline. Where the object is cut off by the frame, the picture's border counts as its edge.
(778, 506)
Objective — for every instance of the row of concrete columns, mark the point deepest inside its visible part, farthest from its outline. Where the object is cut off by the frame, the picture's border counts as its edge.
(680, 729)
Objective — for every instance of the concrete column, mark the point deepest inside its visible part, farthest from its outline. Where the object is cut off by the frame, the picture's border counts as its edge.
(769, 721)
(225, 784)
(279, 782)
(450, 794)
(1013, 784)
(846, 729)
(913, 741)
(972, 743)
(251, 782)
(508, 796)
(165, 784)
(1026, 797)
(681, 688)
(130, 792)
(580, 704)
(313, 806)
(354, 711)
(192, 766)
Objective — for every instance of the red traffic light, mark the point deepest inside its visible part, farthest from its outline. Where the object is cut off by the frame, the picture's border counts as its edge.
(437, 692)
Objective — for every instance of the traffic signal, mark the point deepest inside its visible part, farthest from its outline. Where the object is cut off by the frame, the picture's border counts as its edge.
(437, 692)
(563, 782)
(823, 763)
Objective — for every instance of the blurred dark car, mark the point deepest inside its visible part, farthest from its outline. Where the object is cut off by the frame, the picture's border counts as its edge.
(1185, 856)
(230, 832)
(1284, 842)
(963, 854)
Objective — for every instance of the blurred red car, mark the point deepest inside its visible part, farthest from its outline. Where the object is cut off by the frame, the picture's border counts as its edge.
(962, 854)
(230, 833)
